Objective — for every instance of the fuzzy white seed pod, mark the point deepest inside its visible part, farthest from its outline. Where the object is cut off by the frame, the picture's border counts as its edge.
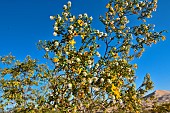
(70, 31)
(64, 7)
(126, 4)
(59, 18)
(129, 70)
(97, 65)
(56, 106)
(102, 80)
(117, 19)
(56, 23)
(85, 24)
(78, 60)
(71, 19)
(154, 9)
(113, 97)
(105, 34)
(80, 16)
(84, 73)
(90, 80)
(90, 66)
(96, 88)
(101, 33)
(95, 79)
(84, 80)
(120, 101)
(80, 53)
(109, 81)
(65, 14)
(47, 49)
(116, 63)
(140, 8)
(98, 54)
(69, 3)
(91, 18)
(89, 62)
(70, 86)
(95, 73)
(71, 27)
(97, 31)
(54, 34)
(112, 22)
(137, 5)
(74, 17)
(85, 14)
(56, 43)
(56, 28)
(52, 17)
(111, 8)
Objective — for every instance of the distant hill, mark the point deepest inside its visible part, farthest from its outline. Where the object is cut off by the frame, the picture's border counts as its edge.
(161, 95)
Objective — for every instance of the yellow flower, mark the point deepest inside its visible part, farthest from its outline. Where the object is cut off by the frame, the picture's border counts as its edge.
(163, 38)
(154, 41)
(81, 95)
(143, 49)
(72, 42)
(122, 27)
(75, 33)
(117, 94)
(113, 88)
(116, 91)
(70, 36)
(55, 60)
(18, 109)
(114, 78)
(80, 22)
(116, 6)
(83, 35)
(120, 83)
(53, 109)
(124, 61)
(79, 70)
(118, 74)
(115, 55)
(73, 70)
(135, 66)
(121, 9)
(74, 25)
(108, 5)
(134, 97)
(85, 53)
(75, 109)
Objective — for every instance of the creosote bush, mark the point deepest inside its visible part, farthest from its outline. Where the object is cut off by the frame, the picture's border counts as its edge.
(81, 77)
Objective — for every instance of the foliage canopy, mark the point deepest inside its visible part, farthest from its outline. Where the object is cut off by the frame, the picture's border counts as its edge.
(81, 77)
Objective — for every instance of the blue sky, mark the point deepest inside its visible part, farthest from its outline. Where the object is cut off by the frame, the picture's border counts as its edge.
(24, 22)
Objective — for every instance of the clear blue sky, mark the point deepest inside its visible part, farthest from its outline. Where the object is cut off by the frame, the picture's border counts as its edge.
(24, 22)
